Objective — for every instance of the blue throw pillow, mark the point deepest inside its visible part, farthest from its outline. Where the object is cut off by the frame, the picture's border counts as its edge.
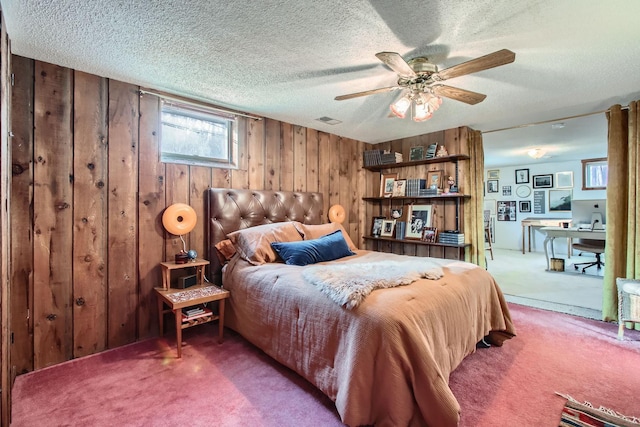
(326, 248)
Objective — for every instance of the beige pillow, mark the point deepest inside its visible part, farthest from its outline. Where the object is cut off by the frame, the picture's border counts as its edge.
(254, 244)
(311, 232)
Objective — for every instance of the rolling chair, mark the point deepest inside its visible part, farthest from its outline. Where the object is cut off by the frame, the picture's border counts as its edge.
(595, 247)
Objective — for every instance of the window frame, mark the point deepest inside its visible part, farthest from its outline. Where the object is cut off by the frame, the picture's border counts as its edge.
(201, 112)
(585, 165)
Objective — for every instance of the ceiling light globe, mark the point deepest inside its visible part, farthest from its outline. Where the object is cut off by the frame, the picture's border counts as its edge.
(422, 113)
(400, 107)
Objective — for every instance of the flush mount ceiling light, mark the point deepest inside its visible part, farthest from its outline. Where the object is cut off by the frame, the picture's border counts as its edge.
(536, 153)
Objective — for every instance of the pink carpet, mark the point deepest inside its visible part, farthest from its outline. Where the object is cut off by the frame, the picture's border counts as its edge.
(235, 384)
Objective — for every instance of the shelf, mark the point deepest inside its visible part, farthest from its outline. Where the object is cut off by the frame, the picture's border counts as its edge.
(452, 158)
(442, 196)
(417, 242)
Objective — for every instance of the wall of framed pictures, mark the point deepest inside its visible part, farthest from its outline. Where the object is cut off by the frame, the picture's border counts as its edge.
(536, 190)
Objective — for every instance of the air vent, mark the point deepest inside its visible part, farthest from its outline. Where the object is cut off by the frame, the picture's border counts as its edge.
(328, 120)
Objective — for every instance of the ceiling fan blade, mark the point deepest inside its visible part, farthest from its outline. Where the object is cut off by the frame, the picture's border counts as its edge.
(491, 60)
(396, 63)
(458, 94)
(366, 92)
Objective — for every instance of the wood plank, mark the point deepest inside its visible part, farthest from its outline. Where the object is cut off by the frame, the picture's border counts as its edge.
(272, 155)
(123, 222)
(334, 172)
(324, 166)
(21, 226)
(299, 158)
(286, 153)
(53, 224)
(5, 202)
(220, 178)
(177, 191)
(151, 202)
(312, 160)
(90, 162)
(200, 180)
(256, 150)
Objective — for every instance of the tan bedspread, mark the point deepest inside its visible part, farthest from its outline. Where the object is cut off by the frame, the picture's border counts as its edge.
(386, 362)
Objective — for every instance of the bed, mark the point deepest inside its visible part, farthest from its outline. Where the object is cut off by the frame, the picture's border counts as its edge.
(387, 360)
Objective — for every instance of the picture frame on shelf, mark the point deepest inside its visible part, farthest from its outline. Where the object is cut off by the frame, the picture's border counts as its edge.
(493, 174)
(376, 225)
(436, 178)
(419, 216)
(492, 186)
(430, 234)
(430, 153)
(399, 188)
(386, 183)
(543, 181)
(564, 179)
(387, 227)
(416, 153)
(525, 206)
(560, 200)
(522, 176)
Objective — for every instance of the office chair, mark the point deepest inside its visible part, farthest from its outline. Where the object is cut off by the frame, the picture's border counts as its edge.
(595, 247)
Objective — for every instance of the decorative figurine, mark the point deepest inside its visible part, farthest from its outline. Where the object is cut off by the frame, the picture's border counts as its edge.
(453, 188)
(192, 255)
(442, 151)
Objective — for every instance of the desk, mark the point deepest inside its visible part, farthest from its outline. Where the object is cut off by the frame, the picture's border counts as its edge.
(569, 233)
(539, 222)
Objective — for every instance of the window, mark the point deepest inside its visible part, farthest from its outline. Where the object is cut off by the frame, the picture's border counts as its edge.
(595, 173)
(194, 135)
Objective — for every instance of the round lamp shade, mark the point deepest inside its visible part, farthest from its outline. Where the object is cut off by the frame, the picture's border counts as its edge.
(337, 214)
(179, 219)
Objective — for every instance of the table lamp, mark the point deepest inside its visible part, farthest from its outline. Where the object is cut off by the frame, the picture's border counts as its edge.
(179, 219)
(337, 214)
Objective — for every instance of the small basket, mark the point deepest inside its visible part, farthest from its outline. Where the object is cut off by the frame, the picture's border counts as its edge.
(557, 264)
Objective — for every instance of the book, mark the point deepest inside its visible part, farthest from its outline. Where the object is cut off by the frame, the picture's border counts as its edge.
(201, 312)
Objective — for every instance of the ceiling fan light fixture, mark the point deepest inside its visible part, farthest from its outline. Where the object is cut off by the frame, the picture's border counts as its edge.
(400, 107)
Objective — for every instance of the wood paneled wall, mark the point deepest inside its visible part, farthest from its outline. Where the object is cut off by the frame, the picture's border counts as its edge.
(88, 191)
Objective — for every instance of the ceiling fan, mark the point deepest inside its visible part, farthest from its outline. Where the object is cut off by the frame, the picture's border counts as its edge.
(420, 80)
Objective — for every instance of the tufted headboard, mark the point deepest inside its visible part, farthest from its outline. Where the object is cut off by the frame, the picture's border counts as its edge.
(229, 210)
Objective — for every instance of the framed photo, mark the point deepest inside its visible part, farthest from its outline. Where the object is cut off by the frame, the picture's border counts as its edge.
(522, 176)
(492, 186)
(418, 218)
(416, 153)
(493, 174)
(525, 206)
(543, 181)
(430, 234)
(564, 179)
(506, 190)
(386, 184)
(376, 226)
(435, 178)
(431, 151)
(506, 211)
(387, 227)
(560, 200)
(399, 187)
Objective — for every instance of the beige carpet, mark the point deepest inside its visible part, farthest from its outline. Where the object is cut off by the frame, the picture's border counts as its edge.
(524, 280)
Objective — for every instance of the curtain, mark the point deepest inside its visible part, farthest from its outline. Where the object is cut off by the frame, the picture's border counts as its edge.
(473, 212)
(622, 255)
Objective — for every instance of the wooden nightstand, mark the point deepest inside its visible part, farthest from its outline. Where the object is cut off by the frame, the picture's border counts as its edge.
(177, 299)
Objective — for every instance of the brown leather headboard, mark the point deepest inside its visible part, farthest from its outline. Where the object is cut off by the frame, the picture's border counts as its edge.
(229, 210)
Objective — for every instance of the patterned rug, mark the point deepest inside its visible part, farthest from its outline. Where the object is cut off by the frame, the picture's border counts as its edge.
(576, 414)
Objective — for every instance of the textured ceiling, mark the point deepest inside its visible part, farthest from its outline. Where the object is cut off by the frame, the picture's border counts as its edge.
(287, 60)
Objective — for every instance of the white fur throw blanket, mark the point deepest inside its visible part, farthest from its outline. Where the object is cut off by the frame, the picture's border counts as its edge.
(349, 284)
